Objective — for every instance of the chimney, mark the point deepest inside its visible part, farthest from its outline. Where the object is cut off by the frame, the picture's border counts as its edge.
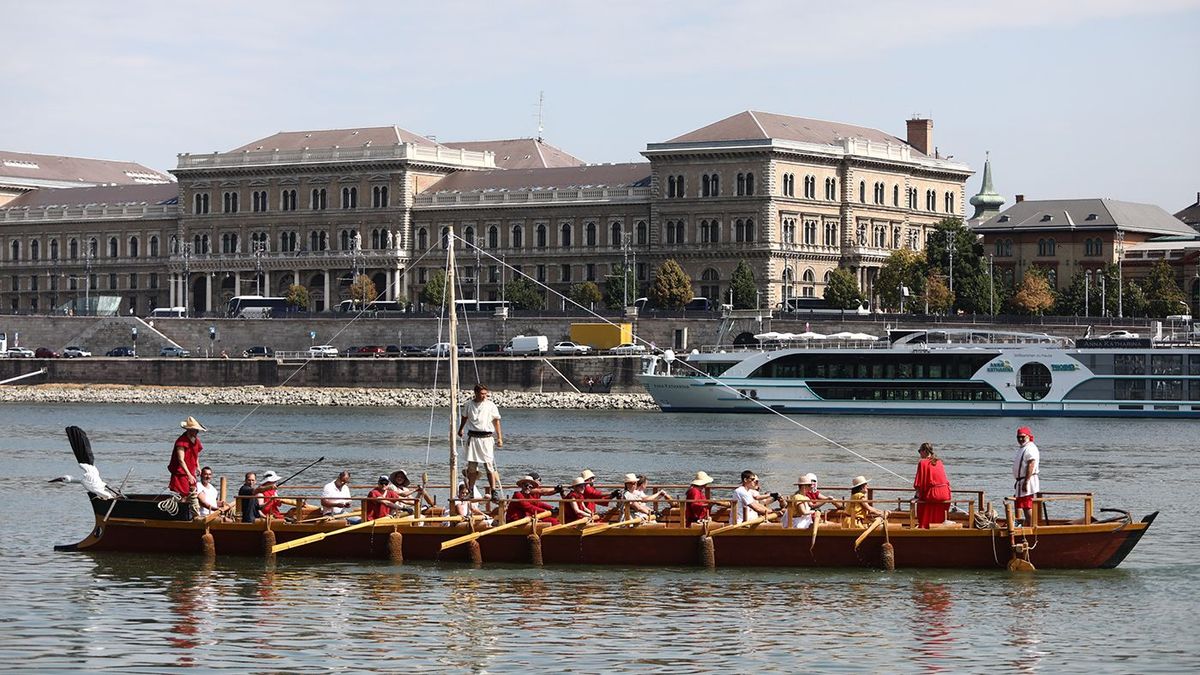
(920, 135)
(1020, 198)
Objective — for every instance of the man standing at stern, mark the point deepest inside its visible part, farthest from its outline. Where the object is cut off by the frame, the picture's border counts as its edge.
(1026, 464)
(185, 458)
(481, 419)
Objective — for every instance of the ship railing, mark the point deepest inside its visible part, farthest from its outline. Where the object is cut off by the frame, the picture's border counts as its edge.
(1041, 515)
(971, 505)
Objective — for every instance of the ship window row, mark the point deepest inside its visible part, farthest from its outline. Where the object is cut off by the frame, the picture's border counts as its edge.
(934, 392)
(1102, 389)
(874, 366)
(1138, 364)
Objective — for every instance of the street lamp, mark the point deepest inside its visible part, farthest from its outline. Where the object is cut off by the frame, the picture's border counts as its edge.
(1103, 295)
(1087, 282)
(950, 252)
(259, 252)
(1120, 275)
(991, 285)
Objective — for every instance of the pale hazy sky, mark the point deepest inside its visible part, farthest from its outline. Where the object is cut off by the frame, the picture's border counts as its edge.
(1074, 98)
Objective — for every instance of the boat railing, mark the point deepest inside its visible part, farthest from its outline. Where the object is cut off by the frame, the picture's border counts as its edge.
(1041, 514)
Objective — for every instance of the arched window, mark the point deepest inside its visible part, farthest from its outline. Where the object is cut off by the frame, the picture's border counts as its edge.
(642, 232)
(716, 185)
(930, 200)
(739, 230)
(710, 286)
(469, 235)
(589, 231)
(704, 187)
(831, 189)
(749, 184)
(1050, 247)
(896, 195)
(445, 238)
(93, 247)
(862, 191)
(680, 229)
(518, 239)
(73, 247)
(133, 247)
(670, 187)
(749, 229)
(376, 238)
(54, 249)
(788, 280)
(112, 247)
(35, 250)
(16, 250)
(741, 184)
(379, 197)
(422, 239)
(704, 232)
(493, 237)
(565, 235)
(669, 231)
(540, 234)
(809, 289)
(949, 202)
(616, 238)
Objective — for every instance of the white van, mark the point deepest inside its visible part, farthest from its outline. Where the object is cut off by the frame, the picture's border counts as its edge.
(168, 312)
(527, 345)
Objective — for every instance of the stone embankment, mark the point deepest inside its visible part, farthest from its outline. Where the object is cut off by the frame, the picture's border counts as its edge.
(314, 396)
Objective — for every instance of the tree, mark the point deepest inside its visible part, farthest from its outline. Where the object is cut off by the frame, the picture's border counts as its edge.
(362, 291)
(620, 287)
(1163, 295)
(298, 297)
(672, 287)
(842, 291)
(971, 285)
(434, 293)
(937, 295)
(1034, 294)
(1072, 300)
(524, 294)
(745, 290)
(586, 294)
(904, 267)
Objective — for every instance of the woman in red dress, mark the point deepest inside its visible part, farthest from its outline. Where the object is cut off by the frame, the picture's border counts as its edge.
(932, 486)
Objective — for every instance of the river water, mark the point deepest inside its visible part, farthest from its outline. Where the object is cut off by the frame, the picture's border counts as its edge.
(72, 611)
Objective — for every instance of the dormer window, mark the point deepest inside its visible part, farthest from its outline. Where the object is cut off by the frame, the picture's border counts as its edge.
(1047, 218)
(1003, 219)
(1090, 216)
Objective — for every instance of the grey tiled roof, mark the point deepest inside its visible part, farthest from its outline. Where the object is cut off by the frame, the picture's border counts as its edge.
(1191, 214)
(163, 193)
(1082, 214)
(342, 138)
(521, 153)
(592, 175)
(21, 167)
(757, 125)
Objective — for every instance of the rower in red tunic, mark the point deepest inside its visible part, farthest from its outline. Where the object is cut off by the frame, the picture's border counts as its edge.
(525, 503)
(698, 504)
(270, 500)
(185, 458)
(932, 486)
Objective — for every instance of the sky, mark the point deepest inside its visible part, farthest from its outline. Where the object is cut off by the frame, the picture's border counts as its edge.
(1072, 98)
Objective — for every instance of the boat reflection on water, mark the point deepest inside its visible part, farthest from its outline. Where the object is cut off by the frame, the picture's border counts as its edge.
(932, 627)
(1026, 628)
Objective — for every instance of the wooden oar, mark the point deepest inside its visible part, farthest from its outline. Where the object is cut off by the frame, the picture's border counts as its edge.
(746, 523)
(816, 518)
(564, 526)
(434, 519)
(321, 535)
(492, 530)
(867, 532)
(588, 531)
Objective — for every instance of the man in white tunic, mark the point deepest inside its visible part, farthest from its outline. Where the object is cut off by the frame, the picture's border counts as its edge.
(481, 420)
(1026, 465)
(335, 497)
(748, 501)
(206, 494)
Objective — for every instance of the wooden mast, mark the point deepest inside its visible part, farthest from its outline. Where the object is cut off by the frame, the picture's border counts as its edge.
(452, 306)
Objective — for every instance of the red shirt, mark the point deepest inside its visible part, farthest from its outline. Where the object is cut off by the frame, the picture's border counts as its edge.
(697, 508)
(270, 506)
(374, 510)
(931, 482)
(522, 505)
(191, 459)
(590, 492)
(576, 507)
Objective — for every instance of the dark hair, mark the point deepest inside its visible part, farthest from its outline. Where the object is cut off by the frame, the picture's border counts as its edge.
(207, 468)
(747, 475)
(481, 387)
(927, 449)
(858, 488)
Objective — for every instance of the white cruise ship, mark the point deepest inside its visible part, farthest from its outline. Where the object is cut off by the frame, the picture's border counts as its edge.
(938, 372)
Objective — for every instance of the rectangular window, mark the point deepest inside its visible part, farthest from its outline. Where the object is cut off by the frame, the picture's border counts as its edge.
(1129, 364)
(1194, 364)
(112, 281)
(33, 282)
(565, 273)
(1129, 390)
(1166, 364)
(154, 280)
(493, 274)
(133, 280)
(591, 276)
(1166, 390)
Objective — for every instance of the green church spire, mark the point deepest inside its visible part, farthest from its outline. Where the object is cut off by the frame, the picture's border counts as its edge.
(988, 202)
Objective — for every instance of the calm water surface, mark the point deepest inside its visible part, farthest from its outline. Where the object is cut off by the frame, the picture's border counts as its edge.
(61, 611)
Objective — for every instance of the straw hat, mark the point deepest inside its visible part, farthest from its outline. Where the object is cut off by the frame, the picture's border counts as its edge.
(191, 423)
(858, 480)
(701, 479)
(270, 477)
(399, 478)
(807, 479)
(631, 478)
(587, 474)
(527, 479)
(579, 480)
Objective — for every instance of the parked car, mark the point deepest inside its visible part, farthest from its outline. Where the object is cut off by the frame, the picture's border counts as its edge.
(259, 352)
(20, 353)
(373, 351)
(75, 352)
(178, 352)
(322, 351)
(571, 349)
(46, 353)
(349, 351)
(490, 349)
(628, 348)
(121, 351)
(442, 350)
(1121, 334)
(405, 350)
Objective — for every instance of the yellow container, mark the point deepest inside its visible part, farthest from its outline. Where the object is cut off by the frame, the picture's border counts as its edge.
(601, 335)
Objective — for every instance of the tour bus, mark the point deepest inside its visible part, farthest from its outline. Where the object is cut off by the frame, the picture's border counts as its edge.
(168, 312)
(257, 307)
(818, 306)
(489, 306)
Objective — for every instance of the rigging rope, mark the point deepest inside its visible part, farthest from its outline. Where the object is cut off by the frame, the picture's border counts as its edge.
(717, 381)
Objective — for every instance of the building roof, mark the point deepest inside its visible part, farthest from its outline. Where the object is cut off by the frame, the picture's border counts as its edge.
(521, 153)
(1091, 214)
(111, 195)
(586, 176)
(330, 138)
(1191, 214)
(27, 169)
(756, 125)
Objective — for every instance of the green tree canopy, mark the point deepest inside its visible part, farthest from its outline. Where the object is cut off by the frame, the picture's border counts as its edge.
(672, 287)
(585, 293)
(524, 294)
(1164, 297)
(745, 290)
(904, 267)
(362, 291)
(619, 286)
(298, 297)
(842, 291)
(434, 293)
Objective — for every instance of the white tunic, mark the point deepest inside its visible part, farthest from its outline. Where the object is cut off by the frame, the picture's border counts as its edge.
(1024, 454)
(206, 493)
(742, 498)
(332, 491)
(480, 417)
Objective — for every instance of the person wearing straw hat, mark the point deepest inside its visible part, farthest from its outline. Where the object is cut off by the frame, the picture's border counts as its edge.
(800, 514)
(269, 491)
(858, 511)
(185, 458)
(525, 502)
(591, 493)
(576, 505)
(698, 499)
